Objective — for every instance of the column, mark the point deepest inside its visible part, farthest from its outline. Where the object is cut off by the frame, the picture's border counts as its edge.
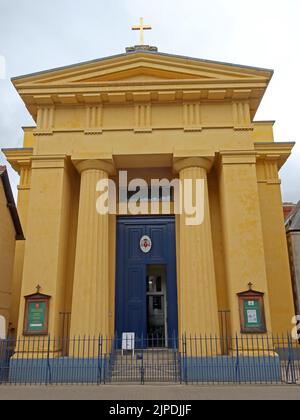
(90, 311)
(197, 284)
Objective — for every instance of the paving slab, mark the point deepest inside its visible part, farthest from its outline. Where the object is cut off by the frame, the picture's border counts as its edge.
(149, 392)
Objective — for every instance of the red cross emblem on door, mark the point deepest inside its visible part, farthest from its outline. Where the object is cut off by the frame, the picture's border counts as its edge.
(146, 244)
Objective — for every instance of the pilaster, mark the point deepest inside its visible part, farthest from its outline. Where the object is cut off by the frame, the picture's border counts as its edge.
(274, 235)
(242, 230)
(46, 236)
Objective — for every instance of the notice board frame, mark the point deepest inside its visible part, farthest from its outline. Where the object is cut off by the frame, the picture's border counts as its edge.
(37, 299)
(257, 298)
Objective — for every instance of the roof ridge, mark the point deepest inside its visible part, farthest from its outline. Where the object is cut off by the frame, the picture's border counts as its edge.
(150, 53)
(4, 179)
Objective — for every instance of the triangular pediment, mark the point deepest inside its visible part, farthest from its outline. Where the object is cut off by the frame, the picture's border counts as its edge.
(142, 74)
(143, 68)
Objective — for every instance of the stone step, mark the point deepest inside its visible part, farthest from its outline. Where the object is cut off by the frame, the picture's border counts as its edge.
(135, 360)
(158, 365)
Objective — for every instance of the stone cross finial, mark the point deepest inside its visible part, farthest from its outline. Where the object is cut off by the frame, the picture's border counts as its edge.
(38, 288)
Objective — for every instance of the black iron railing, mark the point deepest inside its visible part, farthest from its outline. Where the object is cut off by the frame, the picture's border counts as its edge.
(262, 359)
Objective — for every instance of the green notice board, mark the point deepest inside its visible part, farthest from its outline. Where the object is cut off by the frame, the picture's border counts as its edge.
(36, 316)
(252, 314)
(36, 319)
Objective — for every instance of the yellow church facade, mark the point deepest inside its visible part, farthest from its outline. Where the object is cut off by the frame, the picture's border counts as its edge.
(150, 116)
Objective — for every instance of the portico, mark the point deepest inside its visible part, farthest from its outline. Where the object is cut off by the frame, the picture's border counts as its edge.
(155, 116)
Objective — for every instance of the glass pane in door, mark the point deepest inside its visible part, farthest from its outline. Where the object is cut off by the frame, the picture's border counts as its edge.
(156, 306)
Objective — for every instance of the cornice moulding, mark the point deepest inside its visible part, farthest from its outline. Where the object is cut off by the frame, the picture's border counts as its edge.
(237, 157)
(49, 161)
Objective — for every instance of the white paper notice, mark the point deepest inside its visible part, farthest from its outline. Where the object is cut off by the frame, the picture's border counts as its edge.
(252, 316)
(2, 328)
(128, 341)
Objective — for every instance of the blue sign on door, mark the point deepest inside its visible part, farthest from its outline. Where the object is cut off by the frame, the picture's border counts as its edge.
(133, 295)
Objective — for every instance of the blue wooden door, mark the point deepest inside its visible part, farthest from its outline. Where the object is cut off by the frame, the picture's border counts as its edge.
(132, 263)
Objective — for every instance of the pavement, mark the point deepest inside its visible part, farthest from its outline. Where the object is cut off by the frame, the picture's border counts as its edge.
(149, 392)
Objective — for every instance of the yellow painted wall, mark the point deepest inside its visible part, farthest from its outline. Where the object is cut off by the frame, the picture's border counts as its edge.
(242, 232)
(276, 253)
(47, 240)
(7, 252)
(263, 131)
(71, 197)
(22, 204)
(217, 237)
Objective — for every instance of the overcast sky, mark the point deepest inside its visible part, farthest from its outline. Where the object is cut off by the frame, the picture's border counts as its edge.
(42, 34)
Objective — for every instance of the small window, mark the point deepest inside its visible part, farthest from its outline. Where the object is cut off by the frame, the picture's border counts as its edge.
(158, 284)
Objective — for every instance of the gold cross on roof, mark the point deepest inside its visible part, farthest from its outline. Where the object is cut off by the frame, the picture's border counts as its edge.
(142, 28)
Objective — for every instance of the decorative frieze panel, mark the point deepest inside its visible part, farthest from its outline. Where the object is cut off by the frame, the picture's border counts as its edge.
(241, 116)
(268, 171)
(143, 118)
(25, 178)
(45, 120)
(192, 117)
(94, 119)
(271, 171)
